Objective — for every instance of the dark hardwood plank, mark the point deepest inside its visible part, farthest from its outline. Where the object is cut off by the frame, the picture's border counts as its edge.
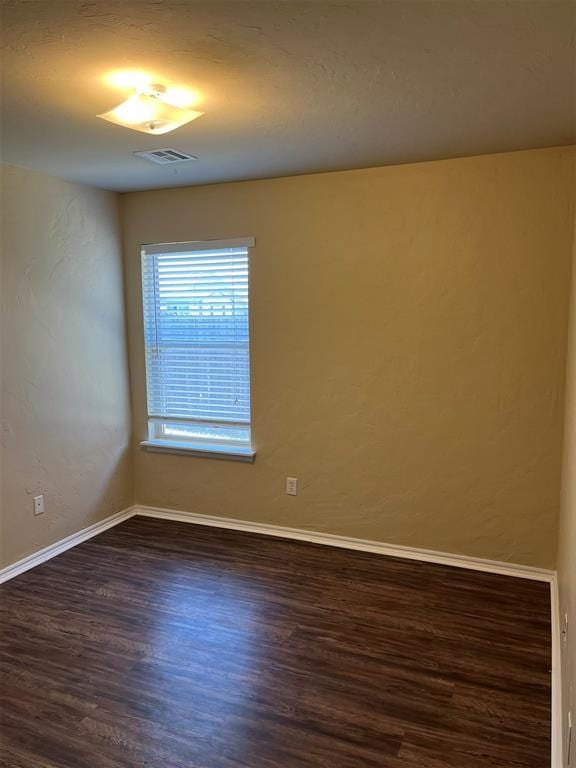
(165, 645)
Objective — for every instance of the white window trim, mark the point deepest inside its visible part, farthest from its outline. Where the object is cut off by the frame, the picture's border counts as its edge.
(198, 245)
(194, 449)
(189, 448)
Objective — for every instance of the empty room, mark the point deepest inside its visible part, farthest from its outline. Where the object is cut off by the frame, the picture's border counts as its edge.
(288, 384)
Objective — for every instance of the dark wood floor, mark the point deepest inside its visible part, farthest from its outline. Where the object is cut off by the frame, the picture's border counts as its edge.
(166, 645)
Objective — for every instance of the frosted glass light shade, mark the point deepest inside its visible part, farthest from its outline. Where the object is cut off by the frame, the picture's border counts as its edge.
(149, 113)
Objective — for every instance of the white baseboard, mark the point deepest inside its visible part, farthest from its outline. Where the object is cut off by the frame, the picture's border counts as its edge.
(279, 531)
(346, 542)
(298, 534)
(61, 546)
(557, 715)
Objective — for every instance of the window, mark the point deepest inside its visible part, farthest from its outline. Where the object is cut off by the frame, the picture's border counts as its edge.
(196, 334)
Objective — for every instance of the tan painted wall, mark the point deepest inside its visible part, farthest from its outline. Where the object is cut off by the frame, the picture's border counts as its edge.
(64, 400)
(567, 535)
(409, 330)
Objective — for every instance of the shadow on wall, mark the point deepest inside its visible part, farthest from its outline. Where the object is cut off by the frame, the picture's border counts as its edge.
(65, 398)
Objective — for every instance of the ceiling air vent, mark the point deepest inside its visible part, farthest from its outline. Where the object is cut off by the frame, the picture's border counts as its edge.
(165, 156)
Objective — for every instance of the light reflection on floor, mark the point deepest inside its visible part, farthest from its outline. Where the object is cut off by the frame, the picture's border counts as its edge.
(192, 627)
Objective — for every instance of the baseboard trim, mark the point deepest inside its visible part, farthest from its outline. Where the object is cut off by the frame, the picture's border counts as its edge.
(557, 716)
(345, 542)
(279, 531)
(20, 566)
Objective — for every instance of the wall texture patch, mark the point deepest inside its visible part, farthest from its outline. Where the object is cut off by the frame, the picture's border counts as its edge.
(64, 400)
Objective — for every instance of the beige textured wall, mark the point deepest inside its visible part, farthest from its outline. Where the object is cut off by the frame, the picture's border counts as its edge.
(65, 413)
(408, 341)
(567, 535)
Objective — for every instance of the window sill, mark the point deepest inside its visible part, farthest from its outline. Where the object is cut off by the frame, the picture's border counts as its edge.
(226, 452)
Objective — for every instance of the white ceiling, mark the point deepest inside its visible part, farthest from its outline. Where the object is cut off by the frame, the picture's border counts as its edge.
(289, 87)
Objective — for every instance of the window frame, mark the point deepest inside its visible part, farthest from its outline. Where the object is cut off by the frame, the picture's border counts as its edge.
(242, 450)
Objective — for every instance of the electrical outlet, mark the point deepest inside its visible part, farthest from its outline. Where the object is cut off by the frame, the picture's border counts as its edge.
(39, 504)
(292, 486)
(565, 629)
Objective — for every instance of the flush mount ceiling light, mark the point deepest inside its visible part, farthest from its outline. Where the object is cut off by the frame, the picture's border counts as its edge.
(152, 109)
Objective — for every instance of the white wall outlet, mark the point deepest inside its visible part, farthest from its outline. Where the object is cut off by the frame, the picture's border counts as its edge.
(39, 504)
(292, 486)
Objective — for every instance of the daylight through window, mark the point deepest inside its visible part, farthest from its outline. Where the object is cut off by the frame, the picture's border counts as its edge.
(196, 329)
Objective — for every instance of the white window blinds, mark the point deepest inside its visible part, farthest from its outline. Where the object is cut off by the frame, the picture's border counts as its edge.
(196, 334)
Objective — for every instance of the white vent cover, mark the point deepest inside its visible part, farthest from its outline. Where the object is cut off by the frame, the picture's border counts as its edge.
(165, 156)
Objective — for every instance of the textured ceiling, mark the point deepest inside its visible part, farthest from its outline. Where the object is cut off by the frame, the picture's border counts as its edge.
(288, 87)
